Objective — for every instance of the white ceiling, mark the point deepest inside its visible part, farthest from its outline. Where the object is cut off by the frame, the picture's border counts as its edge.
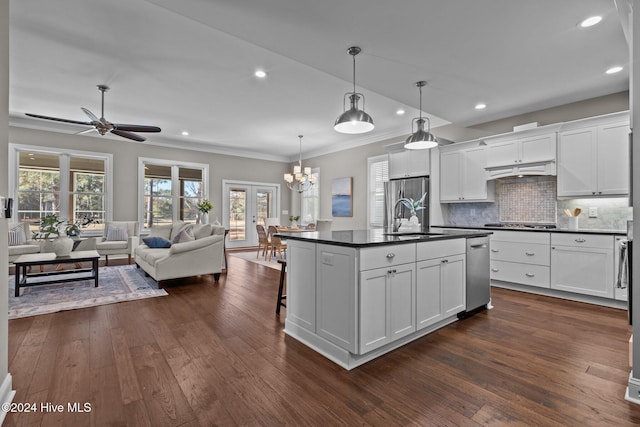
(189, 65)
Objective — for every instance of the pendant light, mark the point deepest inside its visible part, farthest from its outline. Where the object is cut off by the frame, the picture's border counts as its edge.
(301, 179)
(421, 140)
(353, 120)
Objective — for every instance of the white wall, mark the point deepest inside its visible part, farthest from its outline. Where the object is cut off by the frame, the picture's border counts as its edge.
(6, 393)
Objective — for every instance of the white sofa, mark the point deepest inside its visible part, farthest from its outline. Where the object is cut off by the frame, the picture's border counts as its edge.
(203, 255)
(28, 247)
(126, 246)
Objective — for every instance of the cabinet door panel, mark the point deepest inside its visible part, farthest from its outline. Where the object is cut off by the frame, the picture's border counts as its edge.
(402, 311)
(418, 162)
(450, 176)
(373, 309)
(474, 180)
(453, 285)
(582, 270)
(576, 163)
(397, 164)
(428, 292)
(302, 307)
(502, 154)
(613, 159)
(538, 148)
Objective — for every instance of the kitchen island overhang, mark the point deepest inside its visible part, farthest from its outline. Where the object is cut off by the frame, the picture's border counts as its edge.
(355, 295)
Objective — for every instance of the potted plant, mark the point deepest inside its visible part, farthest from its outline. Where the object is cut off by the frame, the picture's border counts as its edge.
(49, 232)
(204, 206)
(293, 219)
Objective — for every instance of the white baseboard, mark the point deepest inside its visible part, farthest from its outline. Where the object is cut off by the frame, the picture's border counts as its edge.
(6, 395)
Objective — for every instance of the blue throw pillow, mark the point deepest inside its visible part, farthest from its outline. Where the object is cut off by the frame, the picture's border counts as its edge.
(156, 242)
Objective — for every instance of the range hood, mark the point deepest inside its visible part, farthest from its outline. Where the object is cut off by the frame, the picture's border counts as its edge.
(547, 168)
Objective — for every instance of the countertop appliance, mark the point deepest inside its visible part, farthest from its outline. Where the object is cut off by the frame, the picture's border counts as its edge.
(478, 276)
(396, 189)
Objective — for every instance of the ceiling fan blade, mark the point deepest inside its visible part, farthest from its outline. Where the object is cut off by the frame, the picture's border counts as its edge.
(135, 128)
(129, 135)
(55, 119)
(86, 131)
(90, 114)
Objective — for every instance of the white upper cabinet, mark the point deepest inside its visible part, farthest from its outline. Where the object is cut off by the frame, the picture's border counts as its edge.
(594, 161)
(408, 163)
(532, 149)
(463, 176)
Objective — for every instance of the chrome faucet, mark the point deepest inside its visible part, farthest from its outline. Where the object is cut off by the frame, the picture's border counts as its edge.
(396, 218)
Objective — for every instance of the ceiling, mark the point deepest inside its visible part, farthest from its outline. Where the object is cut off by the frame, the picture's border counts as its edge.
(189, 65)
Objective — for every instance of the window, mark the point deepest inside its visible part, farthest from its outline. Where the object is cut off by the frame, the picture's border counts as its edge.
(171, 192)
(310, 201)
(378, 167)
(72, 184)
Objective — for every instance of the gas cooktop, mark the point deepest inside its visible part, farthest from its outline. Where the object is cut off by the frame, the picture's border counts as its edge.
(534, 225)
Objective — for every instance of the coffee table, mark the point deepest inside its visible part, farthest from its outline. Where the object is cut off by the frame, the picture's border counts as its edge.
(24, 261)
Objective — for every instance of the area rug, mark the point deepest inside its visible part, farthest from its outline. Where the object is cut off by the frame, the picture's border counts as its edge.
(116, 284)
(251, 256)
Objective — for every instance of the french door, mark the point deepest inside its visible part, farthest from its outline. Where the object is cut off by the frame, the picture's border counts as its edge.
(247, 204)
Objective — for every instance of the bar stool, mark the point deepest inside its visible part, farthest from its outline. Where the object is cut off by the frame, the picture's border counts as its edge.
(283, 269)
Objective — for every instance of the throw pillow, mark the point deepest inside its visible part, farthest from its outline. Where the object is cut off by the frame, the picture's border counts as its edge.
(202, 230)
(16, 235)
(156, 242)
(117, 232)
(186, 235)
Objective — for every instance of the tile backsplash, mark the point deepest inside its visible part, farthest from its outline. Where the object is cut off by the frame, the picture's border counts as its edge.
(533, 199)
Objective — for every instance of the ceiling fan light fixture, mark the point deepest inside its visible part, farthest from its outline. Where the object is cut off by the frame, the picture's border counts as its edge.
(421, 139)
(354, 120)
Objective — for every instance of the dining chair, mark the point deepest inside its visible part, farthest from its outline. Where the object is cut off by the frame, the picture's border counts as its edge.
(275, 245)
(263, 240)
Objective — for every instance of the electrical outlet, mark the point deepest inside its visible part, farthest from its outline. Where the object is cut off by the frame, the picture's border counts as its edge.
(593, 212)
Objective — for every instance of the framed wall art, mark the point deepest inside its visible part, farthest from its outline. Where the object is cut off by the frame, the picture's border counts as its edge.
(342, 197)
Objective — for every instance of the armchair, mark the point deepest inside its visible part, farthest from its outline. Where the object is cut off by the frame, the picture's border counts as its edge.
(18, 246)
(120, 238)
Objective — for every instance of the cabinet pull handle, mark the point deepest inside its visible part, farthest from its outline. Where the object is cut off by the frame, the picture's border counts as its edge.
(580, 240)
(495, 270)
(392, 271)
(390, 255)
(530, 253)
(445, 261)
(495, 250)
(529, 274)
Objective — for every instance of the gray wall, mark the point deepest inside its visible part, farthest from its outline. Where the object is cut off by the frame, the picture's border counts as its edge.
(4, 120)
(125, 166)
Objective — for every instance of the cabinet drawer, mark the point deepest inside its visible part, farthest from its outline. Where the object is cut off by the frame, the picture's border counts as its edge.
(525, 274)
(539, 237)
(431, 250)
(385, 256)
(527, 253)
(582, 240)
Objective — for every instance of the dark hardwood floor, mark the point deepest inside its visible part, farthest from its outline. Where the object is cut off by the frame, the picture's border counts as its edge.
(215, 354)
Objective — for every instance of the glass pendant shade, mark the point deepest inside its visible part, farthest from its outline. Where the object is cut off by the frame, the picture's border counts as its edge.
(354, 120)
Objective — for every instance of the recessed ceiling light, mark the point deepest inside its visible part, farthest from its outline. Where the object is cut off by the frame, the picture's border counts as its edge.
(400, 111)
(480, 106)
(185, 133)
(590, 21)
(614, 70)
(261, 74)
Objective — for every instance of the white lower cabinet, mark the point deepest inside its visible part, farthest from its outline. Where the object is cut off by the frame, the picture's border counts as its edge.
(582, 263)
(386, 305)
(521, 257)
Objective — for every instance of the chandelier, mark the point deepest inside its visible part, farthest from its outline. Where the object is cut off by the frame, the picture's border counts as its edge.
(301, 179)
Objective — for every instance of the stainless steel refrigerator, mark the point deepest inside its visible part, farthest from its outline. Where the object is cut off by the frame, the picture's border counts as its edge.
(407, 188)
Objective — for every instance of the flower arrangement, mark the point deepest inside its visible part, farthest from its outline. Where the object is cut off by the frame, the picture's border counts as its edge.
(205, 206)
(294, 218)
(414, 205)
(52, 225)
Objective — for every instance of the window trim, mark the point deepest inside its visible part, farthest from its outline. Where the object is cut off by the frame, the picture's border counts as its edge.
(370, 162)
(65, 154)
(314, 171)
(175, 195)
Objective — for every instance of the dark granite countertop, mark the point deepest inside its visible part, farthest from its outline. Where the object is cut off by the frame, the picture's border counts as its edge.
(366, 238)
(544, 230)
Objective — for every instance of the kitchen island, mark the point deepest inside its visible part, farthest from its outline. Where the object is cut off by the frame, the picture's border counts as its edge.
(355, 295)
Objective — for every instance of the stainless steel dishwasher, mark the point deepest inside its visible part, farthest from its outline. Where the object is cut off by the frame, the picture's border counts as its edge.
(478, 276)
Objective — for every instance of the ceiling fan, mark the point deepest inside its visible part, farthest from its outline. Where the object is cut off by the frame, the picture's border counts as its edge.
(102, 126)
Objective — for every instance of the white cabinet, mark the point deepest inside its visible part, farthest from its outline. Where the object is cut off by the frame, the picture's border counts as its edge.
(582, 263)
(408, 163)
(521, 257)
(386, 305)
(440, 282)
(532, 149)
(463, 176)
(301, 298)
(594, 161)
